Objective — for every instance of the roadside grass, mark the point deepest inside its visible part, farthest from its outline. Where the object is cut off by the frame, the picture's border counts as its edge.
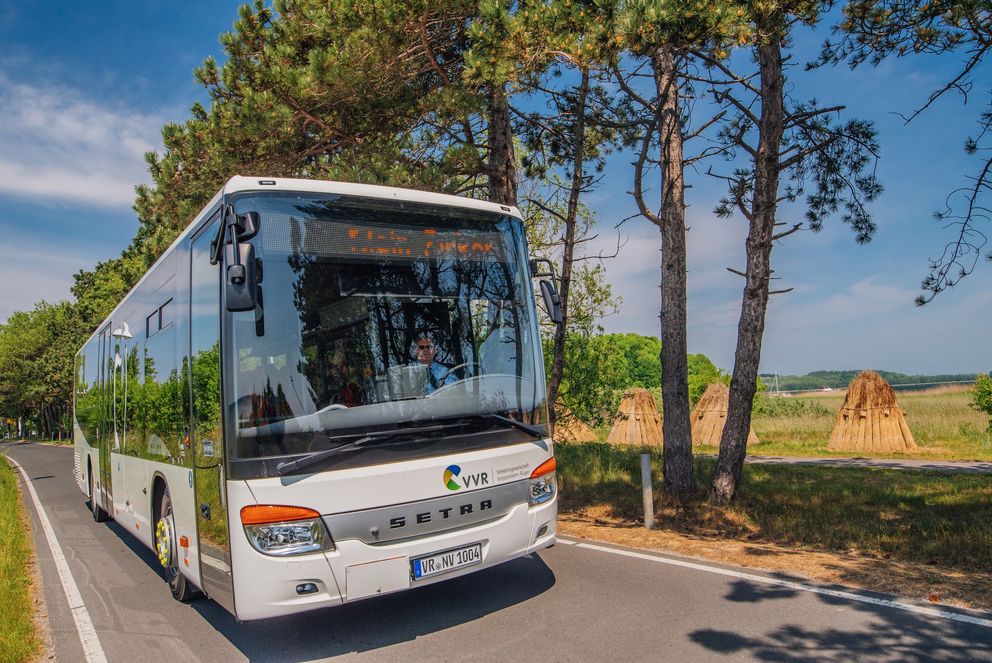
(19, 640)
(912, 516)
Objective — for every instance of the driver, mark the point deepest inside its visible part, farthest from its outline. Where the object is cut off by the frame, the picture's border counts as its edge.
(438, 374)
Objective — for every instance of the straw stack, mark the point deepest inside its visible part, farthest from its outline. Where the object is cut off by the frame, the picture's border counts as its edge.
(871, 419)
(638, 421)
(711, 414)
(572, 429)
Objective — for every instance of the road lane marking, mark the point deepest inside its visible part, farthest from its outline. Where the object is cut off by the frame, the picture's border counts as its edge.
(813, 589)
(84, 626)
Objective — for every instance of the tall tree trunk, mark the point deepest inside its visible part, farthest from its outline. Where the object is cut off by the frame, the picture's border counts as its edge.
(502, 164)
(733, 444)
(674, 361)
(568, 251)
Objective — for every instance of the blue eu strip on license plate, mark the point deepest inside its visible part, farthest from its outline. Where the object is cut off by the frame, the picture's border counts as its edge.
(449, 560)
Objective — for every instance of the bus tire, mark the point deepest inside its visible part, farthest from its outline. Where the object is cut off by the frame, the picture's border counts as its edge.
(99, 514)
(167, 549)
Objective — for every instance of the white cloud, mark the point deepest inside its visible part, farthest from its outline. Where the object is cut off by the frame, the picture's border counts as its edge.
(32, 271)
(713, 292)
(58, 145)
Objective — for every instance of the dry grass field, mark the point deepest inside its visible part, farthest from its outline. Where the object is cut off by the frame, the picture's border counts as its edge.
(943, 422)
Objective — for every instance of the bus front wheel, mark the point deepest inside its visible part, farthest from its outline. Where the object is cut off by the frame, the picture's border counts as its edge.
(167, 549)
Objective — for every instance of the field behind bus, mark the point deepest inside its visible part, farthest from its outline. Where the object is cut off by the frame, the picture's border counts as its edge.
(942, 420)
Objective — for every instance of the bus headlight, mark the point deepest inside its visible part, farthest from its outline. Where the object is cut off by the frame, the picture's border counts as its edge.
(542, 482)
(285, 530)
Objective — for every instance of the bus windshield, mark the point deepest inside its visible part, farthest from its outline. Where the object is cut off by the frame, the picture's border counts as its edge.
(378, 315)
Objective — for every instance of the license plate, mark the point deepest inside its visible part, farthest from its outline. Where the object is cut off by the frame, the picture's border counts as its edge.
(449, 560)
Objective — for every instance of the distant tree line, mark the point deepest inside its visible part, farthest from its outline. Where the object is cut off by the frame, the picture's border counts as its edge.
(840, 379)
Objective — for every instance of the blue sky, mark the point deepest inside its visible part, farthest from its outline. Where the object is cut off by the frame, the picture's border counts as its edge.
(86, 87)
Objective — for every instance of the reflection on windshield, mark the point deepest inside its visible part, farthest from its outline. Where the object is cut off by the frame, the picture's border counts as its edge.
(376, 315)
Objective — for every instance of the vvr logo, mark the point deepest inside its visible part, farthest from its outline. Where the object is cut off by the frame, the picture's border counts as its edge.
(453, 482)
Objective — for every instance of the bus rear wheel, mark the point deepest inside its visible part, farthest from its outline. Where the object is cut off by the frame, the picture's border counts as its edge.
(167, 549)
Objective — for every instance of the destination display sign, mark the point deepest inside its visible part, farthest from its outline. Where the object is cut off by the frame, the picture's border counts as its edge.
(337, 239)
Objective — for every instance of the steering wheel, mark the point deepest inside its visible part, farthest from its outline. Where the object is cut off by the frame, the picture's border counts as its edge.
(451, 370)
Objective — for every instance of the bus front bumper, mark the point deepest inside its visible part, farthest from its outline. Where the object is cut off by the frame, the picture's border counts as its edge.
(267, 586)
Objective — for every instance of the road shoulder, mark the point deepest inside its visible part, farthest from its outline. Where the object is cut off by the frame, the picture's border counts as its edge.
(913, 582)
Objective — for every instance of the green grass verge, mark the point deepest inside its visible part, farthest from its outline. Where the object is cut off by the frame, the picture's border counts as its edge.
(18, 637)
(914, 516)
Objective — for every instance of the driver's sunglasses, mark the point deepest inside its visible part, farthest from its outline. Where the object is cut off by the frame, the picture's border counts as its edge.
(425, 347)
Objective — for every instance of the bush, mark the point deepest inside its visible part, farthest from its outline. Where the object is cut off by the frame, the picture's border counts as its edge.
(767, 406)
(981, 396)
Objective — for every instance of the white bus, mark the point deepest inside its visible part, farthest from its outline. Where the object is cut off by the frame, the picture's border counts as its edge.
(322, 392)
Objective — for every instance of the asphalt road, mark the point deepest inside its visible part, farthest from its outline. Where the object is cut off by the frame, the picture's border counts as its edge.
(570, 603)
(951, 466)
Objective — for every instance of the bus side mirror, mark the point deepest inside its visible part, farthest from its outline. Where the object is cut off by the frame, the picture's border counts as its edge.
(247, 225)
(552, 302)
(240, 283)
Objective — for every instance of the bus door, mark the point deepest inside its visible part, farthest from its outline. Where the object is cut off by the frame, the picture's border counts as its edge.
(106, 430)
(207, 421)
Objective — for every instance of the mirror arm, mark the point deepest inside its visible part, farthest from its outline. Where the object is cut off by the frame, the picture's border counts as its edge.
(217, 246)
(236, 272)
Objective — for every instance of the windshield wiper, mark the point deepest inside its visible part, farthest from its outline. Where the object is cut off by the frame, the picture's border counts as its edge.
(519, 425)
(379, 438)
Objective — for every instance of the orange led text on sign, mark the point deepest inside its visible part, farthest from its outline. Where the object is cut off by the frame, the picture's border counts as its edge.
(382, 243)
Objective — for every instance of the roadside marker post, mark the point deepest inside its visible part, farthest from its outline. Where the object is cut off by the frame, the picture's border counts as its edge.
(646, 492)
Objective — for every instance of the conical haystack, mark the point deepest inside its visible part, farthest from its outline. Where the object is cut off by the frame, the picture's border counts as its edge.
(710, 415)
(871, 419)
(574, 429)
(638, 421)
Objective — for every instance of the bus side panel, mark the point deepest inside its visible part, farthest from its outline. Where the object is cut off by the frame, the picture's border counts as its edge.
(131, 503)
(118, 496)
(179, 481)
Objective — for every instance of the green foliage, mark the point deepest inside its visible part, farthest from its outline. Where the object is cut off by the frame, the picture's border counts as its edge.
(767, 406)
(594, 379)
(600, 367)
(36, 351)
(590, 296)
(362, 90)
(982, 396)
(703, 373)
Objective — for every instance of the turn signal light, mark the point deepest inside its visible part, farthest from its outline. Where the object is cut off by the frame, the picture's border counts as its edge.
(542, 482)
(260, 514)
(547, 467)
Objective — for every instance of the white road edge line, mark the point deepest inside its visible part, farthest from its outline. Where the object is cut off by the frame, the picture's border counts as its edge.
(87, 634)
(850, 596)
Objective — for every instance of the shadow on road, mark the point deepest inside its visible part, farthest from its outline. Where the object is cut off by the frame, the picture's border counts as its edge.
(373, 623)
(879, 633)
(386, 620)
